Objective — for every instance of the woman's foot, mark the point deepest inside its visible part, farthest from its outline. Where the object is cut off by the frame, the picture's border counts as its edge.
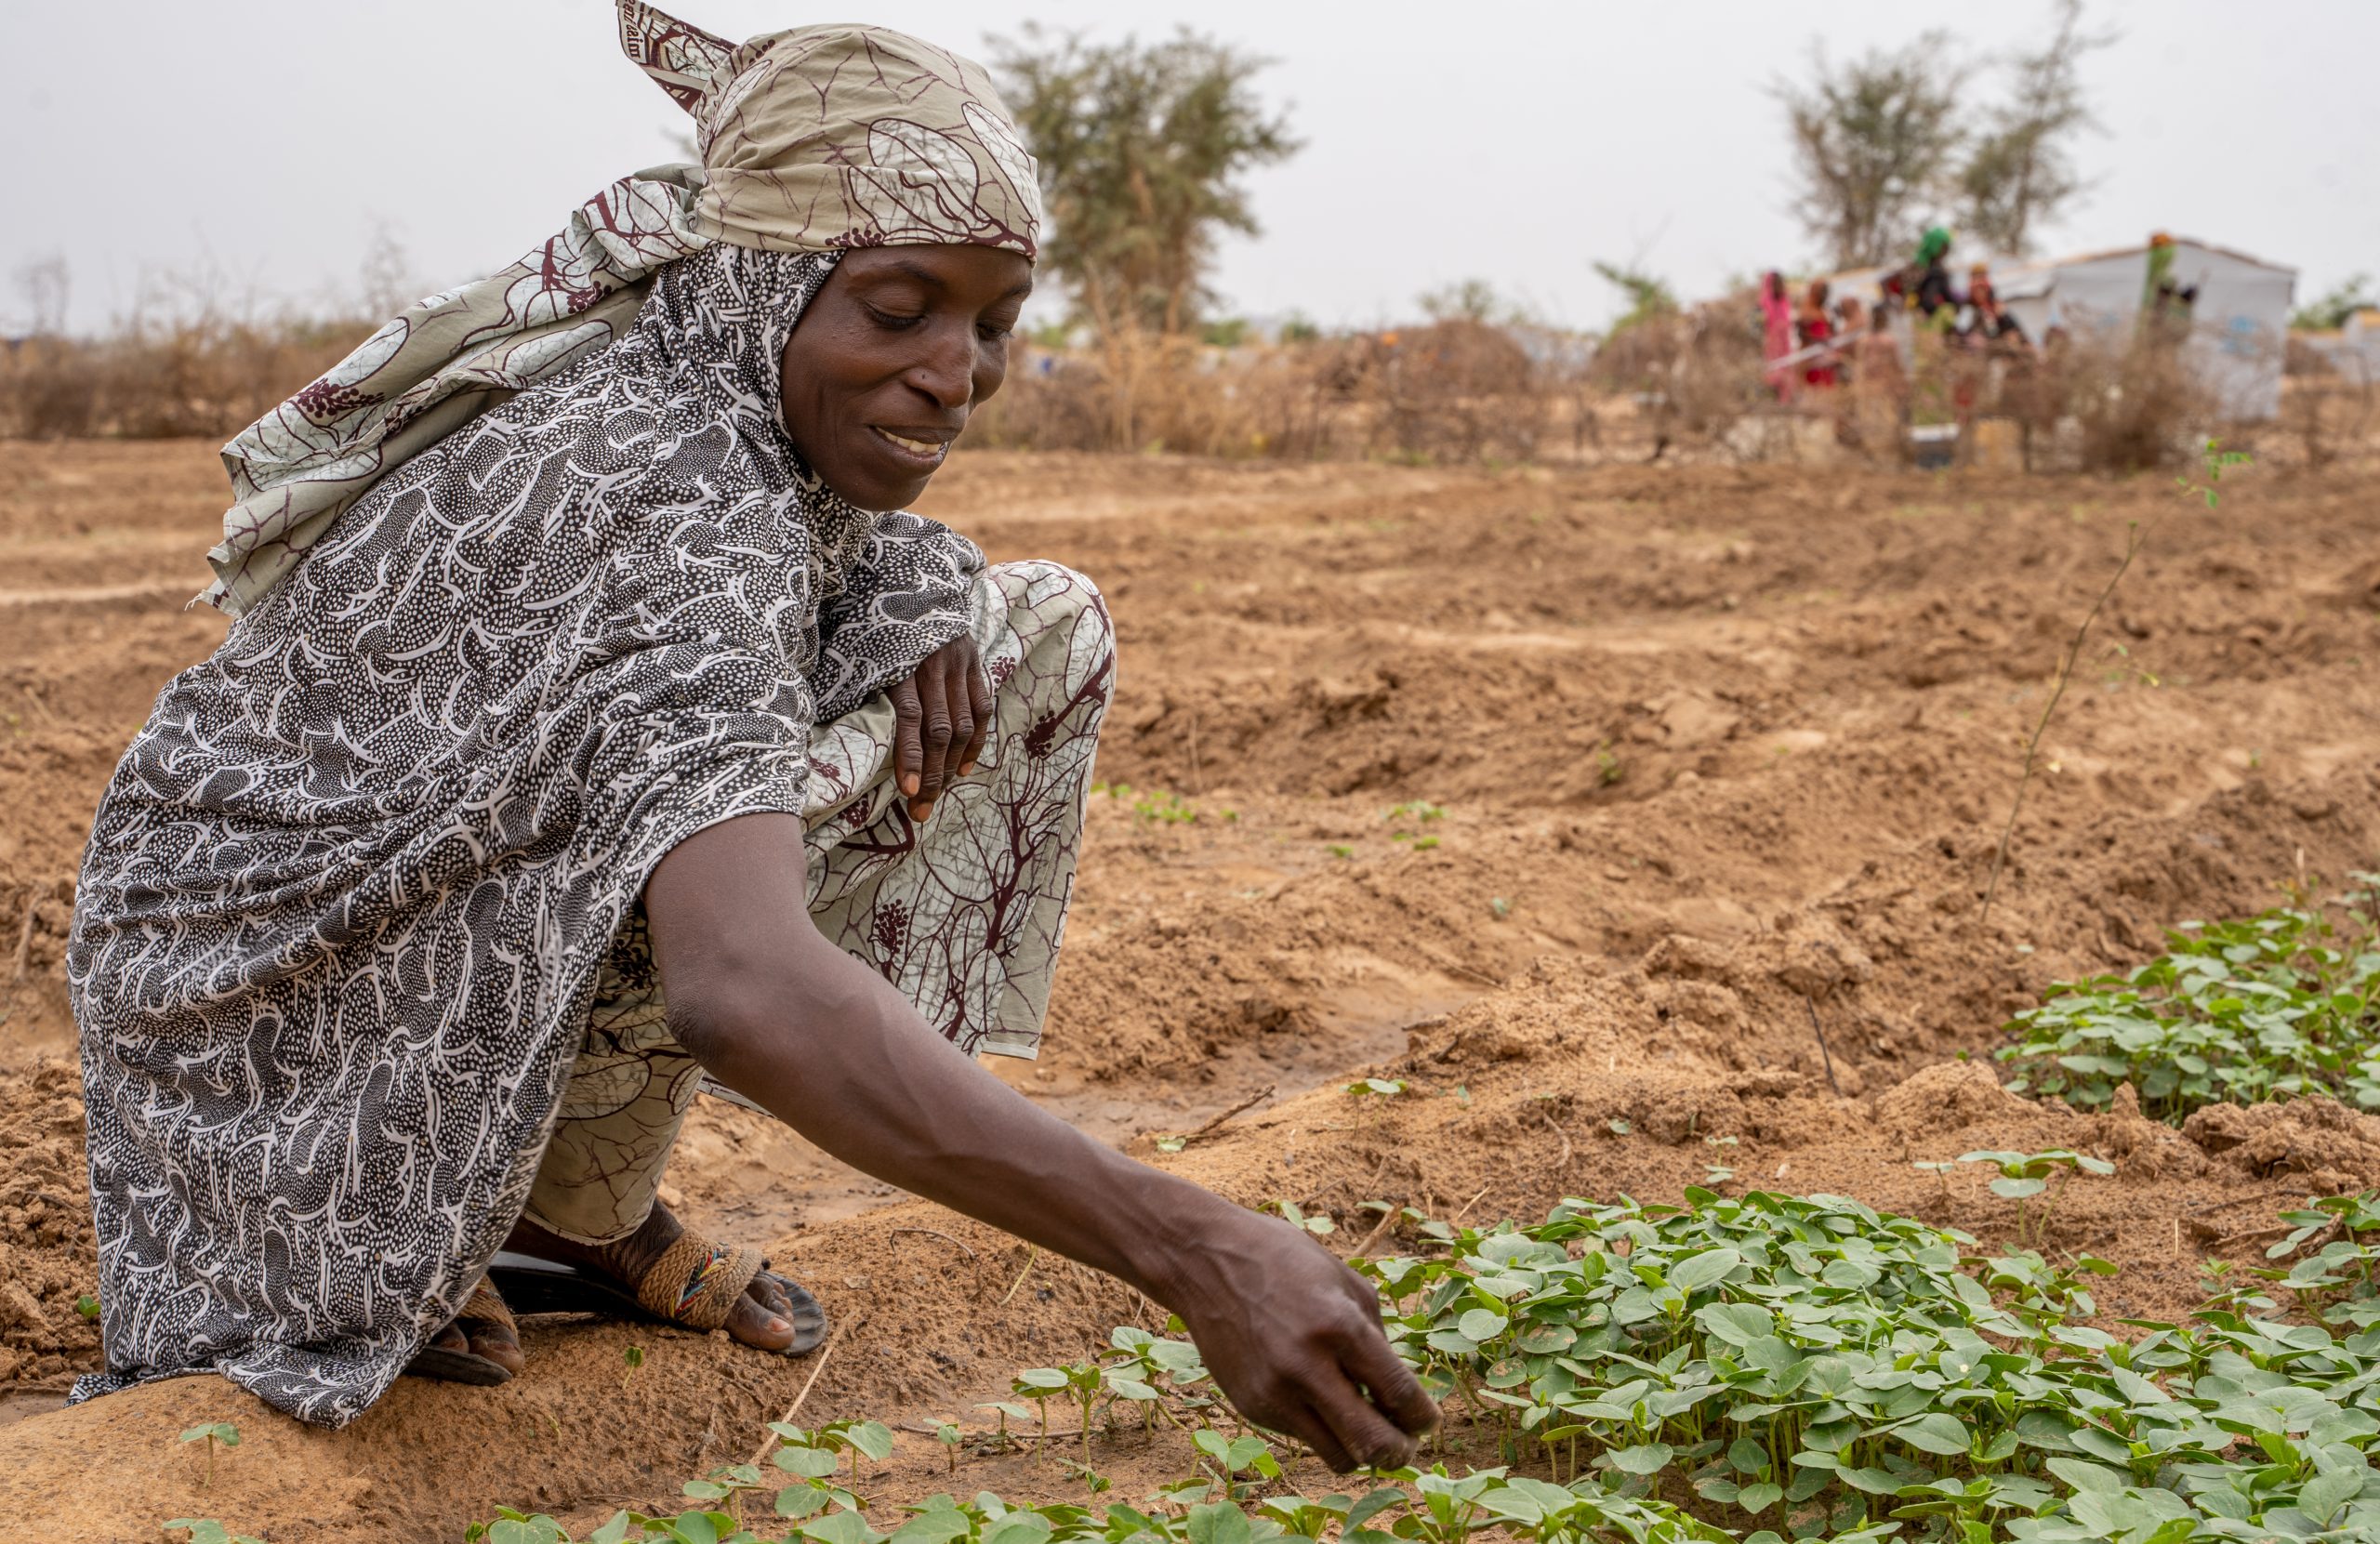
(486, 1333)
(761, 1316)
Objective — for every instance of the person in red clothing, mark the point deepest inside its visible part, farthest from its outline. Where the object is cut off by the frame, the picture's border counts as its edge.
(1813, 326)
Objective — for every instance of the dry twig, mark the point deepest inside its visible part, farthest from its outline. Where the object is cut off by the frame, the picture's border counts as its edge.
(2032, 746)
(808, 1383)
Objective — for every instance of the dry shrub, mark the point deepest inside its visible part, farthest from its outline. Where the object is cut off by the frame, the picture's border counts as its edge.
(1149, 395)
(1454, 391)
(2329, 416)
(203, 374)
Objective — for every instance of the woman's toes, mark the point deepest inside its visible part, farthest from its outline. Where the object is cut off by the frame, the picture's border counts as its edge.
(499, 1347)
(755, 1325)
(451, 1339)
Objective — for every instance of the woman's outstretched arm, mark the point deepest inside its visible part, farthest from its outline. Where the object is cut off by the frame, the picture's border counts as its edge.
(776, 1012)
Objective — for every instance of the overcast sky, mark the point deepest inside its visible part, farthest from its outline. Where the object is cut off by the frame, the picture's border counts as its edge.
(263, 142)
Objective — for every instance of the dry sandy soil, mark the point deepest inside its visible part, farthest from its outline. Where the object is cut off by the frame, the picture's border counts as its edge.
(1723, 755)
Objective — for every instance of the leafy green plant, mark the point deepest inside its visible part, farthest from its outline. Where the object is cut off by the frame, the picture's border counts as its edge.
(206, 1530)
(213, 1434)
(1385, 1088)
(2274, 1006)
(2026, 1175)
(1239, 1463)
(1805, 1361)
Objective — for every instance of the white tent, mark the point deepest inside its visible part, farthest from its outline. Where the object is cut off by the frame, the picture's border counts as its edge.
(2238, 325)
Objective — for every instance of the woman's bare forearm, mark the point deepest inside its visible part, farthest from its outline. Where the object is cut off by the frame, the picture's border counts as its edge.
(779, 1014)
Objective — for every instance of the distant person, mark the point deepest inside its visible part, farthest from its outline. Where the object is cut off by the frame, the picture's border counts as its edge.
(1813, 329)
(1930, 293)
(628, 740)
(1776, 332)
(1989, 322)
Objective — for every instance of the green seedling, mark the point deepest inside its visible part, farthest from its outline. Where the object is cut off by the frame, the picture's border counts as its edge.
(1238, 1463)
(634, 1358)
(1499, 908)
(206, 1530)
(213, 1434)
(87, 1306)
(1384, 1087)
(1004, 1410)
(2025, 1175)
(1160, 808)
(1319, 1225)
(949, 1434)
(1339, 850)
(1039, 1385)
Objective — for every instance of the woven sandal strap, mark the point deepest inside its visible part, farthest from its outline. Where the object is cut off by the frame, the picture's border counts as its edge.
(483, 1306)
(695, 1282)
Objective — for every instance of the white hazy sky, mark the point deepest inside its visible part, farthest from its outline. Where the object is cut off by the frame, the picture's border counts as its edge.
(264, 141)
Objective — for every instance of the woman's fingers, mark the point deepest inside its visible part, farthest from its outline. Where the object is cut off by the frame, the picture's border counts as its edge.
(908, 750)
(933, 734)
(958, 679)
(1373, 1362)
(979, 696)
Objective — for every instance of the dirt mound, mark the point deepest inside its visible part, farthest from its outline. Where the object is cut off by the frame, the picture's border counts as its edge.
(48, 1261)
(2330, 1147)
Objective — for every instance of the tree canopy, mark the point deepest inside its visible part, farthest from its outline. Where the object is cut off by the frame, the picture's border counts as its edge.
(1141, 149)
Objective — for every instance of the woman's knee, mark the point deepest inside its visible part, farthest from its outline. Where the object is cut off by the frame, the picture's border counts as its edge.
(1056, 610)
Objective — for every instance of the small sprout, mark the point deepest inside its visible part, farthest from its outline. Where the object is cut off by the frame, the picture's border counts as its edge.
(1317, 1224)
(948, 1435)
(87, 1306)
(1618, 1127)
(1383, 1086)
(211, 1434)
(634, 1357)
(1340, 849)
(1501, 907)
(1422, 844)
(1171, 1144)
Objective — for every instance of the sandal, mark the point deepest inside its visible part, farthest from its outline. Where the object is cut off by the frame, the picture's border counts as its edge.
(444, 1365)
(694, 1284)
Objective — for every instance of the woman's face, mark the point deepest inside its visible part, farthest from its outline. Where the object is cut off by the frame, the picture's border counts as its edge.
(891, 356)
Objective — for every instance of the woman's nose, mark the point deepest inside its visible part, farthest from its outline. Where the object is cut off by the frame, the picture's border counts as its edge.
(947, 371)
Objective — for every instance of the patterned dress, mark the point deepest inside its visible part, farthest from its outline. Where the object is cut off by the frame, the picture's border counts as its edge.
(349, 896)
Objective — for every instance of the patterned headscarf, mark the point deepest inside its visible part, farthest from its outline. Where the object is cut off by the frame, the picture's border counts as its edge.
(816, 140)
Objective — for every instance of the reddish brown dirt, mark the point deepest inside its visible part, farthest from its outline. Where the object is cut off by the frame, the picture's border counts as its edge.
(1719, 751)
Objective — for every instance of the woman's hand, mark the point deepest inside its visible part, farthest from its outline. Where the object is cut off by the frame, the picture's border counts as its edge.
(940, 715)
(1294, 1339)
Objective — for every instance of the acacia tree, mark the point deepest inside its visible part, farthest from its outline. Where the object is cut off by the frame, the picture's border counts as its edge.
(2020, 174)
(1874, 140)
(1142, 148)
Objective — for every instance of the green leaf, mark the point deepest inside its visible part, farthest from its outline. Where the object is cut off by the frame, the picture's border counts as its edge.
(810, 1463)
(1760, 1497)
(1218, 1522)
(1369, 1505)
(1648, 1458)
(2083, 1475)
(1938, 1433)
(2324, 1494)
(842, 1527)
(2015, 1189)
(1734, 1324)
(1481, 1324)
(1707, 1269)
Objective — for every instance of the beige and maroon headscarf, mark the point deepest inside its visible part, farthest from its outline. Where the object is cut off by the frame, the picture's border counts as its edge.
(814, 139)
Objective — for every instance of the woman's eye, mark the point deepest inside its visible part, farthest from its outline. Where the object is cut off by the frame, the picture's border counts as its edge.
(995, 331)
(894, 321)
